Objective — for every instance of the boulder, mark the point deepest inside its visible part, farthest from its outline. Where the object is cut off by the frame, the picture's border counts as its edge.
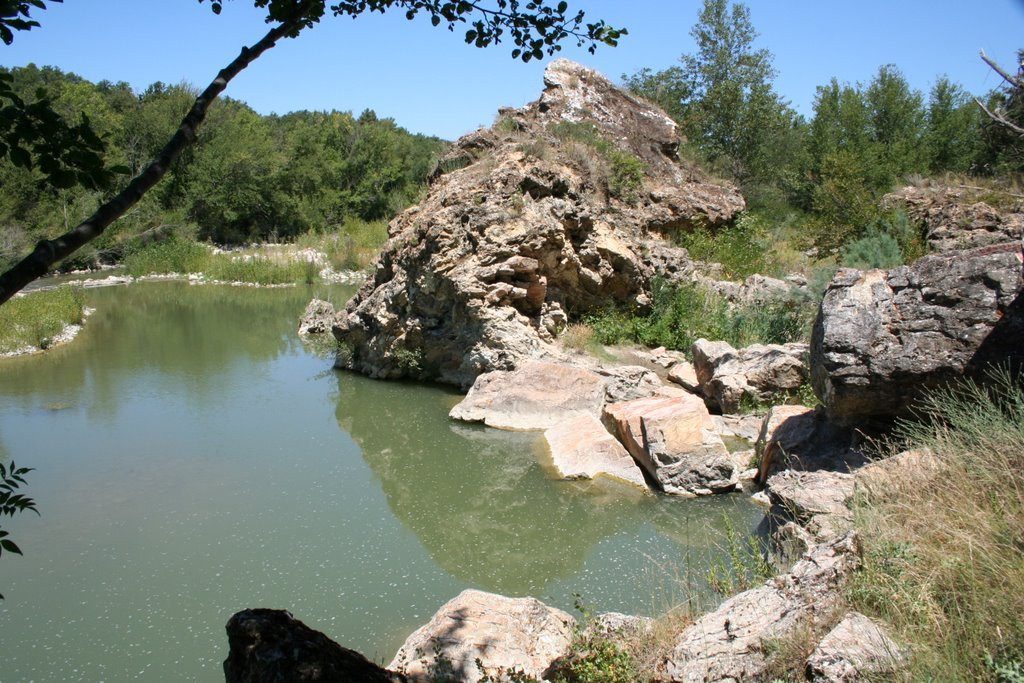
(270, 645)
(683, 374)
(883, 338)
(857, 649)
(522, 230)
(318, 317)
(626, 382)
(802, 438)
(730, 643)
(581, 448)
(887, 477)
(819, 501)
(537, 395)
(504, 634)
(954, 218)
(673, 439)
(759, 372)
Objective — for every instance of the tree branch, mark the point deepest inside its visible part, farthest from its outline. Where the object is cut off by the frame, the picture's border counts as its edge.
(1001, 120)
(1015, 82)
(49, 252)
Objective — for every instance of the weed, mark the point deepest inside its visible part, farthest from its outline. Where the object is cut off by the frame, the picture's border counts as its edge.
(746, 568)
(624, 174)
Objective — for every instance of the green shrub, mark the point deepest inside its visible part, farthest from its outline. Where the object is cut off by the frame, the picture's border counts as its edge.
(741, 247)
(36, 318)
(680, 315)
(889, 242)
(625, 171)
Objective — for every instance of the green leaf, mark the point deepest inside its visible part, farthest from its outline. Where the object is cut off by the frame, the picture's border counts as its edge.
(11, 546)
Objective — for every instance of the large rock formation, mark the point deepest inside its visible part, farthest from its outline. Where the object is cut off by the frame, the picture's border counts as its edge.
(883, 337)
(271, 646)
(559, 208)
(961, 217)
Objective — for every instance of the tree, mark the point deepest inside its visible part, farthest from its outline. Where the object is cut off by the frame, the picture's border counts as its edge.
(535, 28)
(1004, 132)
(951, 132)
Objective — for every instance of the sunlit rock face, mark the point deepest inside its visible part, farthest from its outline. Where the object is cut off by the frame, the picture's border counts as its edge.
(561, 207)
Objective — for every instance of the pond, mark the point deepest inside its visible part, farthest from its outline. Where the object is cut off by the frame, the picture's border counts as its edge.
(193, 458)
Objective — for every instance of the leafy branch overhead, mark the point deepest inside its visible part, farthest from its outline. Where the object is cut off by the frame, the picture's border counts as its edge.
(11, 502)
(535, 27)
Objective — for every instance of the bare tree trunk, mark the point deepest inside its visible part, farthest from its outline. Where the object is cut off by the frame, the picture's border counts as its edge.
(49, 252)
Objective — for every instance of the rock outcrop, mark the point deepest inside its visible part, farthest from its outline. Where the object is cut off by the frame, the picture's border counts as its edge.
(318, 317)
(857, 649)
(731, 643)
(954, 218)
(882, 338)
(758, 372)
(271, 646)
(557, 210)
(503, 634)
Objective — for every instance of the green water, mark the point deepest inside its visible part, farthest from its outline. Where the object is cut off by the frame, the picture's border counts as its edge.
(194, 458)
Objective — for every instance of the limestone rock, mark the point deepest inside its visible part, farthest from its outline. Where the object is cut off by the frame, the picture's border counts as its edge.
(759, 371)
(955, 218)
(582, 448)
(615, 625)
(537, 395)
(882, 338)
(318, 317)
(626, 382)
(269, 645)
(857, 649)
(729, 644)
(746, 427)
(521, 232)
(505, 634)
(673, 439)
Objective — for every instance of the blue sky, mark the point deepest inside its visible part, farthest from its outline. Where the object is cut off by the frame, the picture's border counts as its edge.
(429, 81)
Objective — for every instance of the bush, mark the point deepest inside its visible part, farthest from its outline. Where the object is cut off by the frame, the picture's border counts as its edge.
(680, 315)
(36, 318)
(740, 248)
(625, 173)
(174, 255)
(889, 242)
(944, 554)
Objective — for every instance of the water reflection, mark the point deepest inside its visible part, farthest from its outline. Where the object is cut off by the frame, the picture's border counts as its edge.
(485, 505)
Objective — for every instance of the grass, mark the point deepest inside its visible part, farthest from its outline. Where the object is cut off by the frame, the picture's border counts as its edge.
(352, 247)
(36, 318)
(680, 315)
(624, 173)
(944, 554)
(179, 255)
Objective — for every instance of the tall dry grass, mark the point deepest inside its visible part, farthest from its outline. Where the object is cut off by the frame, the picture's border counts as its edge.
(944, 551)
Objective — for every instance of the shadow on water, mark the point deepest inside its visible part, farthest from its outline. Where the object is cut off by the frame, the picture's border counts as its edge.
(484, 502)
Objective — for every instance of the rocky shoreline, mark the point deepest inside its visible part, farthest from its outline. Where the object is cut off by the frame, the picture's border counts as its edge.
(520, 235)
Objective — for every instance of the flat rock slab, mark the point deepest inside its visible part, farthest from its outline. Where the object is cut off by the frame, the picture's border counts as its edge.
(856, 649)
(581, 448)
(674, 440)
(536, 395)
(502, 633)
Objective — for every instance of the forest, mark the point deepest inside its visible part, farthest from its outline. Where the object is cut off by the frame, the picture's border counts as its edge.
(249, 178)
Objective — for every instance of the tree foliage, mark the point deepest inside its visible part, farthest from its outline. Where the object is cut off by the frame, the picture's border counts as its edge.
(535, 28)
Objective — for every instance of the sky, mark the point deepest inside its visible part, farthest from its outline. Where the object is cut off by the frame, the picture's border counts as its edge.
(431, 82)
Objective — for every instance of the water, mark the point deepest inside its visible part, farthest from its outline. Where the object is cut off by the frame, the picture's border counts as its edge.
(194, 458)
